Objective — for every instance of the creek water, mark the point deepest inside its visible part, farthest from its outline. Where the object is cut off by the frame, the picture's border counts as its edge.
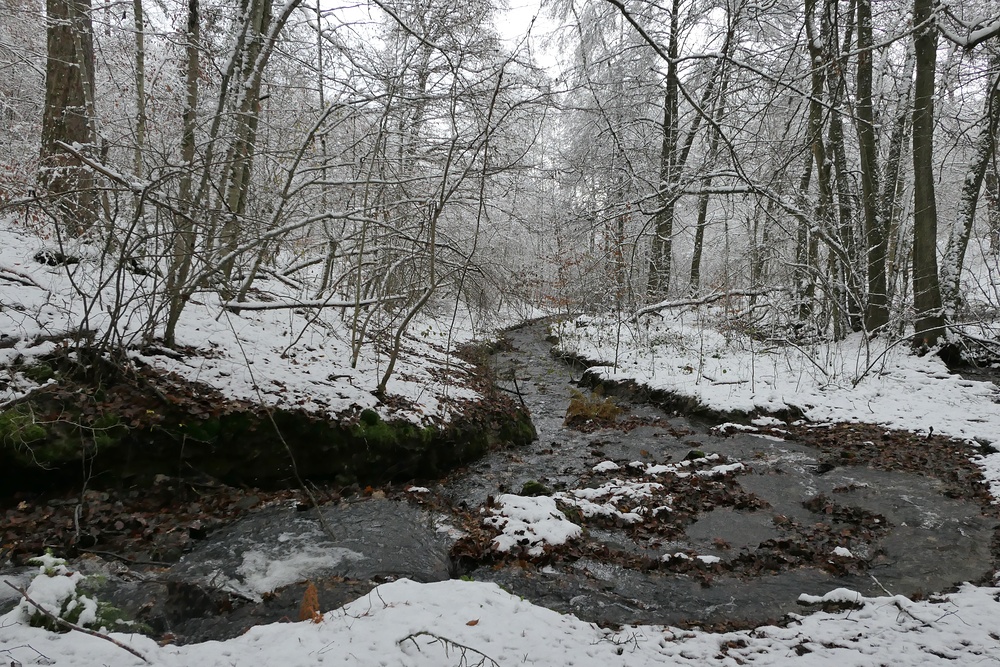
(933, 541)
(220, 588)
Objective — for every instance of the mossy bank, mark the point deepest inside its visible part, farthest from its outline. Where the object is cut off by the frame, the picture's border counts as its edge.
(127, 430)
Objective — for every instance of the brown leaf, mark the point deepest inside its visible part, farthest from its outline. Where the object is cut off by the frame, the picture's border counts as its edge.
(475, 622)
(309, 611)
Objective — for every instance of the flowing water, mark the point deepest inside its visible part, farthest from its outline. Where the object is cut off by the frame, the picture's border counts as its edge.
(218, 589)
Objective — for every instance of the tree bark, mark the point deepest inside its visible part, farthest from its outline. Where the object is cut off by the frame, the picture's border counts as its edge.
(929, 319)
(69, 94)
(961, 231)
(140, 86)
(663, 221)
(876, 228)
(184, 232)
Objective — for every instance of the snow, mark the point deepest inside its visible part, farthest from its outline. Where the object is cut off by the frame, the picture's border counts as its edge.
(262, 573)
(854, 380)
(430, 625)
(293, 358)
(464, 622)
(530, 523)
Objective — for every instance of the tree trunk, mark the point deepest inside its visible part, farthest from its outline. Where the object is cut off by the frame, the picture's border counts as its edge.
(929, 318)
(184, 232)
(663, 221)
(140, 86)
(876, 231)
(975, 174)
(993, 209)
(823, 212)
(69, 94)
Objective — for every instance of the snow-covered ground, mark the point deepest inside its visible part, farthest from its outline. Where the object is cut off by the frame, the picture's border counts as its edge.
(853, 380)
(458, 623)
(284, 357)
(470, 623)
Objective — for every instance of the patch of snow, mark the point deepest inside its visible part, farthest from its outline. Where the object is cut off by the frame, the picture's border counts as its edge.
(530, 522)
(733, 426)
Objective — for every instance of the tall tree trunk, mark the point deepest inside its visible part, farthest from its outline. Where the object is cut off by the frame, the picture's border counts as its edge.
(929, 319)
(722, 72)
(694, 283)
(847, 284)
(975, 174)
(876, 229)
(140, 86)
(69, 95)
(817, 57)
(890, 202)
(184, 231)
(663, 221)
(993, 209)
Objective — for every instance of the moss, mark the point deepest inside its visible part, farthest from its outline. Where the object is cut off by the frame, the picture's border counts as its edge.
(40, 372)
(533, 488)
(369, 417)
(19, 428)
(108, 431)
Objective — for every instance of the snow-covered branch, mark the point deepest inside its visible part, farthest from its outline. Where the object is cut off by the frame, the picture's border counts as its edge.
(711, 298)
(314, 303)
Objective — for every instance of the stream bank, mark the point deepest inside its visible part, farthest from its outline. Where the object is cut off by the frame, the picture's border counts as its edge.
(734, 525)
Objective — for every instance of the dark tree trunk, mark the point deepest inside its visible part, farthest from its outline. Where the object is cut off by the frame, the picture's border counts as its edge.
(876, 231)
(929, 320)
(663, 221)
(67, 118)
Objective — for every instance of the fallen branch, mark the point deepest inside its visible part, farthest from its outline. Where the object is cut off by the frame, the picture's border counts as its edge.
(74, 626)
(75, 335)
(318, 303)
(704, 301)
(448, 644)
(18, 277)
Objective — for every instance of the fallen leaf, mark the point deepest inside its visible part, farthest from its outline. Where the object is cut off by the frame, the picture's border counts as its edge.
(475, 622)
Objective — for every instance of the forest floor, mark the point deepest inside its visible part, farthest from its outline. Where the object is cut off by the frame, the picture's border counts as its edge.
(923, 420)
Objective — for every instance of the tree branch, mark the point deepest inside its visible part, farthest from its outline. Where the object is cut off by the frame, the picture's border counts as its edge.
(74, 626)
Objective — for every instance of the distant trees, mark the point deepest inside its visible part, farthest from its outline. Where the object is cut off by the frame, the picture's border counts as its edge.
(358, 157)
(380, 158)
(791, 128)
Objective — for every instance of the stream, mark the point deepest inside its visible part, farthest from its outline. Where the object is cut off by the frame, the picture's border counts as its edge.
(911, 538)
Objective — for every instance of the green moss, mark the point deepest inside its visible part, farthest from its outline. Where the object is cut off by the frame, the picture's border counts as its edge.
(533, 488)
(369, 417)
(40, 372)
(20, 428)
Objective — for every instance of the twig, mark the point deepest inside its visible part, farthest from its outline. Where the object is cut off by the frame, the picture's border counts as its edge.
(895, 602)
(324, 524)
(520, 397)
(447, 643)
(18, 277)
(74, 626)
